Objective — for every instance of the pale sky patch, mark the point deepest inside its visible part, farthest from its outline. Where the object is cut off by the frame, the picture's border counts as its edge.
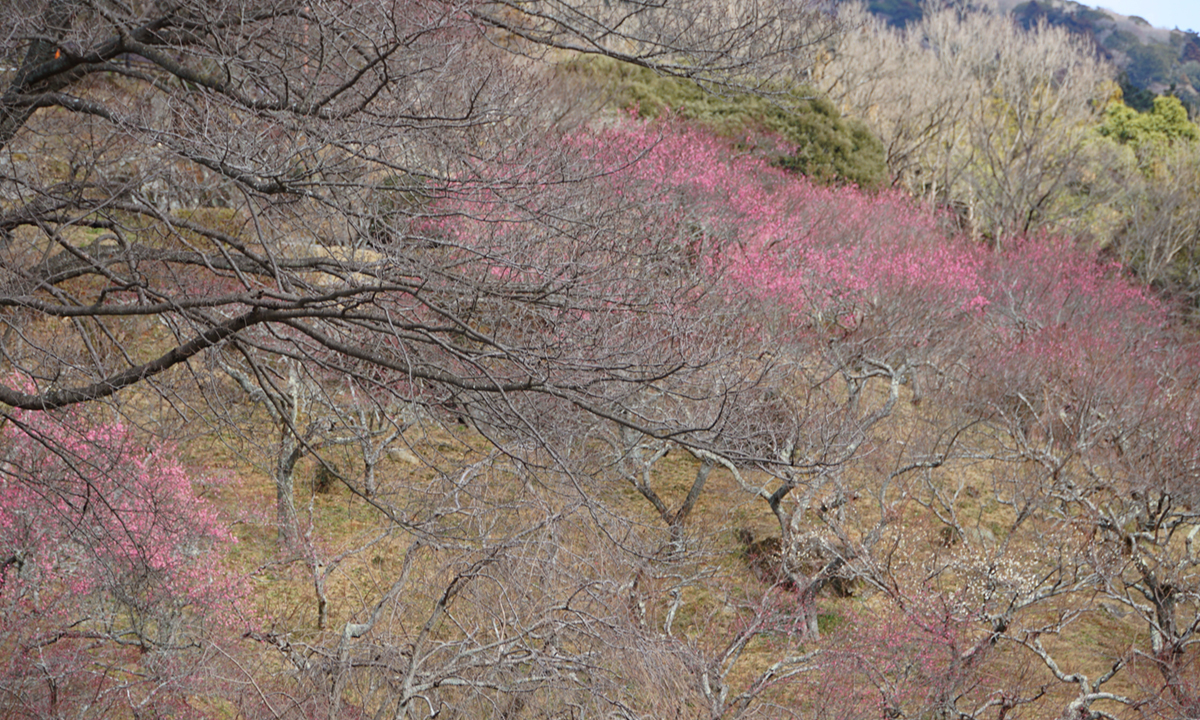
(1160, 13)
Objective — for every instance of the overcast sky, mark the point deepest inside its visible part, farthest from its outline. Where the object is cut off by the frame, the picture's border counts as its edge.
(1161, 13)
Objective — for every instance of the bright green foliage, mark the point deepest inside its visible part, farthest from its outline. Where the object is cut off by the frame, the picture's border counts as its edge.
(827, 147)
(1166, 123)
(1155, 163)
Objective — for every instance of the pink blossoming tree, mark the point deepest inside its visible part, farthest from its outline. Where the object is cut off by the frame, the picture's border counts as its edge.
(112, 583)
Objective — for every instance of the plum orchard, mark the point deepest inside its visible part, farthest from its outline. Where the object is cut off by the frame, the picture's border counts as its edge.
(206, 202)
(1048, 401)
(258, 178)
(382, 224)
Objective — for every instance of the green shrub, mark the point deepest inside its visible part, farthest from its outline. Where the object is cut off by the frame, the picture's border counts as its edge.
(828, 147)
(1165, 123)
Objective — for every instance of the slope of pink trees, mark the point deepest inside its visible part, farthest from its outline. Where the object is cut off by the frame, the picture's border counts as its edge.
(1066, 381)
(823, 250)
(786, 320)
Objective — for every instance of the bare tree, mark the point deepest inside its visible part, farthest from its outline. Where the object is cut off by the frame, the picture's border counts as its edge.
(299, 119)
(1160, 232)
(976, 112)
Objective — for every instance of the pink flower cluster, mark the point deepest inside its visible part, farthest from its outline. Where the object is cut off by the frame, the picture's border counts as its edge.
(98, 529)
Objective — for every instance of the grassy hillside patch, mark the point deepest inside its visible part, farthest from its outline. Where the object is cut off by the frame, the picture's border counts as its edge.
(819, 142)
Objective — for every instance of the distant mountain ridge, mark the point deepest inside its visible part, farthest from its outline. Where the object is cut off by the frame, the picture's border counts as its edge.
(1154, 61)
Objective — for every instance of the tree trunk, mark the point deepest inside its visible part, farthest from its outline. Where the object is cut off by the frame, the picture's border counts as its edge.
(290, 452)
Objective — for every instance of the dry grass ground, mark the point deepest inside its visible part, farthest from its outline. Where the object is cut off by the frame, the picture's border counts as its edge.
(710, 593)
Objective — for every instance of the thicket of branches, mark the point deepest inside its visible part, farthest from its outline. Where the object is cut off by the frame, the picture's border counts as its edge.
(560, 367)
(1023, 130)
